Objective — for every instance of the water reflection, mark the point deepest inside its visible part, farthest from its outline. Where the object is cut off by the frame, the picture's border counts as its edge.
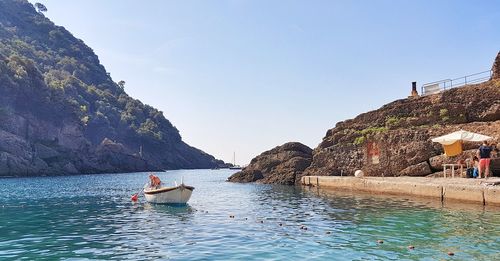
(92, 217)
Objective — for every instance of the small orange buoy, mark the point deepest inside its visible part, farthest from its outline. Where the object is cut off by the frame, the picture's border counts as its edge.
(451, 253)
(135, 197)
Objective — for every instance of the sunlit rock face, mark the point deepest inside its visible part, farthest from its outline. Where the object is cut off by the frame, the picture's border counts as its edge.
(281, 165)
(394, 140)
(62, 113)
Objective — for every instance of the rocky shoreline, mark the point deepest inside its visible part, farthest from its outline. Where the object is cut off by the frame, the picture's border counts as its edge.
(394, 140)
(62, 113)
(281, 165)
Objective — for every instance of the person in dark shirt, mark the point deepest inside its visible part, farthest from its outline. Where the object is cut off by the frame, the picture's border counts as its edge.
(484, 155)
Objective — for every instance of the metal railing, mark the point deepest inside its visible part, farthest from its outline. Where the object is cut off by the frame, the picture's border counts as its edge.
(439, 86)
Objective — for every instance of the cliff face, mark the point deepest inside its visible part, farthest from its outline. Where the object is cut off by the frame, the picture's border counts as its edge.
(395, 140)
(60, 111)
(281, 165)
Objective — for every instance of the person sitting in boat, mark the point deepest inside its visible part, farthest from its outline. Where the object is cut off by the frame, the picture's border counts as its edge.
(154, 181)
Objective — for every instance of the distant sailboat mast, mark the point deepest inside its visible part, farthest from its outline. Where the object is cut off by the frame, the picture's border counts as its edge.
(234, 162)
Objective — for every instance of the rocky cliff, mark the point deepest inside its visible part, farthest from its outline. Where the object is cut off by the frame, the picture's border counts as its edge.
(61, 112)
(281, 165)
(395, 140)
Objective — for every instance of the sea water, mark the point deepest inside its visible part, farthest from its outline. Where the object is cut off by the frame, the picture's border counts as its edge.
(88, 217)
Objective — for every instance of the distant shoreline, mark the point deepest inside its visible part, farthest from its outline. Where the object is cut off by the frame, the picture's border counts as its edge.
(99, 173)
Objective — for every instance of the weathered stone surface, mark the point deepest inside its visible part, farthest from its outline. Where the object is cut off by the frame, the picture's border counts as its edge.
(113, 155)
(57, 103)
(70, 168)
(463, 193)
(246, 176)
(14, 145)
(442, 189)
(281, 165)
(495, 164)
(395, 140)
(398, 135)
(492, 195)
(417, 170)
(439, 174)
(45, 152)
(437, 162)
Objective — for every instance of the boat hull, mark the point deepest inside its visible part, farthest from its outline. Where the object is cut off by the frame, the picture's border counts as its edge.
(174, 195)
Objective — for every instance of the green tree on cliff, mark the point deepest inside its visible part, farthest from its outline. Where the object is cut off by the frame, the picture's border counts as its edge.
(40, 8)
(121, 84)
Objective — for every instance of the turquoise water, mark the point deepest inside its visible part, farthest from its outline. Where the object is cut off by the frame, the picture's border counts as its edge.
(91, 217)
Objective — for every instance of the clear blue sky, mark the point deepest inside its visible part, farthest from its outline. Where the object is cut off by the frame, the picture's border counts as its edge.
(246, 76)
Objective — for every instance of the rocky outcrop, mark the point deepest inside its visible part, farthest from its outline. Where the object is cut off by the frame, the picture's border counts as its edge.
(418, 170)
(406, 151)
(281, 165)
(62, 113)
(395, 140)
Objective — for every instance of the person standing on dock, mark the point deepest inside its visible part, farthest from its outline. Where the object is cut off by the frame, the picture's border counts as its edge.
(484, 155)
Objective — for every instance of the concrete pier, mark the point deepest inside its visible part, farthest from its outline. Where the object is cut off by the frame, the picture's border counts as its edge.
(480, 191)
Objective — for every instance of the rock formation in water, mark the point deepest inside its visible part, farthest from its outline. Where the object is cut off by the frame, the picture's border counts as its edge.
(61, 112)
(281, 165)
(395, 140)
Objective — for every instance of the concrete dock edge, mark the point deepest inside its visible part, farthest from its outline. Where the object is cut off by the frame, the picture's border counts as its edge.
(463, 190)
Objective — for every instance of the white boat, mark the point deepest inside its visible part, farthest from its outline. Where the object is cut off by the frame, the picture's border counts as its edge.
(169, 195)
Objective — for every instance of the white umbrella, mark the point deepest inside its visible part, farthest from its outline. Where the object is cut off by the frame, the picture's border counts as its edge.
(461, 135)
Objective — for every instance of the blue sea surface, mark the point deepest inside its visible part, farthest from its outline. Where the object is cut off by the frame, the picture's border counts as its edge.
(91, 217)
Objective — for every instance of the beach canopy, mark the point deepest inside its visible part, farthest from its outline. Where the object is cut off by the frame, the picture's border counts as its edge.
(461, 135)
(452, 143)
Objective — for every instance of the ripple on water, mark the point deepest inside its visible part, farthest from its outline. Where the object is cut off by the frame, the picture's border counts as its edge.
(91, 217)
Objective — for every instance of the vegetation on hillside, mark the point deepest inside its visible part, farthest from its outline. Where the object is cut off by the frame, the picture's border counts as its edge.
(74, 77)
(47, 73)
